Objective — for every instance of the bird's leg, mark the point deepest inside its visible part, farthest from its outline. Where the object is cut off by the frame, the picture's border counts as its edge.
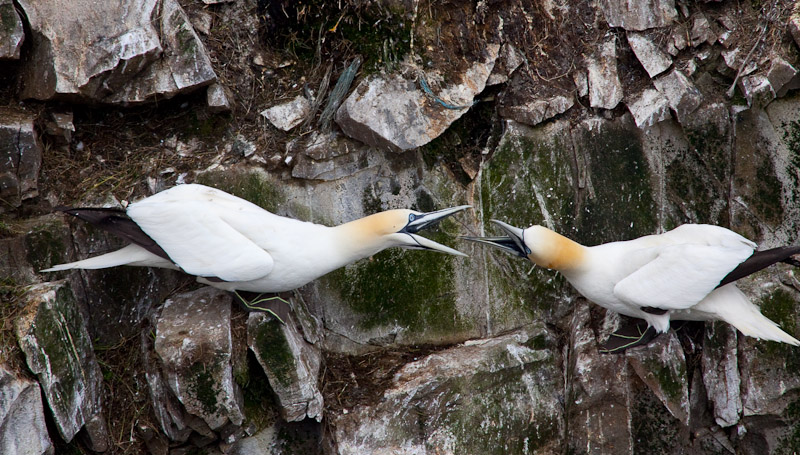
(272, 305)
(628, 336)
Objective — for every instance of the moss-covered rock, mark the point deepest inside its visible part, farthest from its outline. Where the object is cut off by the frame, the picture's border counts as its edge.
(491, 397)
(291, 364)
(193, 340)
(52, 334)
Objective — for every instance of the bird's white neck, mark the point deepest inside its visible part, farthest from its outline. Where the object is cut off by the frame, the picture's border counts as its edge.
(362, 238)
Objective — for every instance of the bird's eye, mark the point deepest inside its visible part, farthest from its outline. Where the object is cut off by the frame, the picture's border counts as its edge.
(412, 217)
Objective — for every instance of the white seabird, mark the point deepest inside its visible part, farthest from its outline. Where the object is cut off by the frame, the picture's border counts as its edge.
(232, 244)
(685, 274)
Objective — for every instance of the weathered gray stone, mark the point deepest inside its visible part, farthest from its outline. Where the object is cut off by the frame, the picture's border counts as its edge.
(11, 32)
(20, 158)
(53, 336)
(701, 31)
(757, 90)
(684, 98)
(538, 110)
(794, 26)
(734, 59)
(782, 76)
(639, 15)
(149, 50)
(291, 363)
(193, 340)
(60, 127)
(653, 59)
(218, 98)
(662, 367)
(288, 115)
(649, 107)
(493, 395)
(392, 112)
(605, 88)
(721, 373)
(22, 427)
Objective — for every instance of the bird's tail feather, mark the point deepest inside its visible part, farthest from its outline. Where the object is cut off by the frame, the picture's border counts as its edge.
(730, 304)
(130, 255)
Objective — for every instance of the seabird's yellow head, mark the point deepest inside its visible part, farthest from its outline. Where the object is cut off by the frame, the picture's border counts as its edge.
(398, 228)
(540, 245)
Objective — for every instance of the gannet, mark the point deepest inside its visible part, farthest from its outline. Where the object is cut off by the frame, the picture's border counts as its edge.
(235, 245)
(687, 273)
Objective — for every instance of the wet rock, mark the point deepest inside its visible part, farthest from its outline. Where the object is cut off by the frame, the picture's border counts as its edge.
(721, 373)
(605, 88)
(11, 34)
(538, 110)
(193, 340)
(596, 403)
(52, 334)
(684, 98)
(649, 108)
(291, 363)
(22, 426)
(395, 113)
(653, 59)
(20, 158)
(639, 16)
(218, 98)
(149, 50)
(662, 367)
(288, 115)
(481, 397)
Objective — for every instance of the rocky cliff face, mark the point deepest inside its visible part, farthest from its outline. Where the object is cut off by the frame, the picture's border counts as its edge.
(602, 122)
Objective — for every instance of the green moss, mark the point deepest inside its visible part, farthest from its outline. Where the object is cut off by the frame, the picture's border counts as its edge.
(623, 206)
(246, 185)
(653, 428)
(259, 402)
(409, 288)
(671, 381)
(202, 387)
(781, 307)
(692, 188)
(45, 246)
(62, 344)
(275, 352)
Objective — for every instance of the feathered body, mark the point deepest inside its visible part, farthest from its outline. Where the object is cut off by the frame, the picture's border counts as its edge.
(687, 273)
(233, 244)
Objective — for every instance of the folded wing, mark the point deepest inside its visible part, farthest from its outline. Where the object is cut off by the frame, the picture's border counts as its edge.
(681, 275)
(199, 240)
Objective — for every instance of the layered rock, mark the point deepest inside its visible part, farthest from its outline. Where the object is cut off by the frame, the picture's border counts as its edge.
(22, 426)
(11, 34)
(53, 335)
(193, 341)
(151, 50)
(396, 113)
(20, 158)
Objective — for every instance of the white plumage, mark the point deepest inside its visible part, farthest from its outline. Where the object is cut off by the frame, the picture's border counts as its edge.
(232, 244)
(674, 275)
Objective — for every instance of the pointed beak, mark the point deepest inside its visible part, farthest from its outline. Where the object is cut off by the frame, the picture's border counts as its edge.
(426, 220)
(512, 243)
